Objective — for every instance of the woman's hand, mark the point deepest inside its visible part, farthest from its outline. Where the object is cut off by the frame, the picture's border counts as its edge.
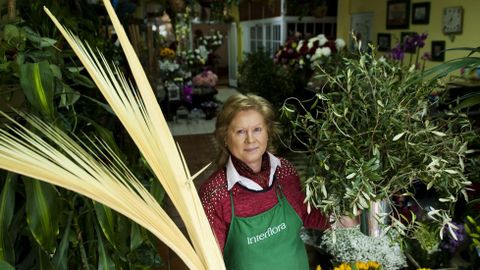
(347, 222)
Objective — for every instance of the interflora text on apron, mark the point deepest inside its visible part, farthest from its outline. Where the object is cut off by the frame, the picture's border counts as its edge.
(271, 231)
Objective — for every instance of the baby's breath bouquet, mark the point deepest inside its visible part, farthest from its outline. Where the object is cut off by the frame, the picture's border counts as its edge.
(350, 246)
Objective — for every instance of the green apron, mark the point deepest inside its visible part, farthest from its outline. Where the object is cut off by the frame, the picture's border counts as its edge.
(269, 240)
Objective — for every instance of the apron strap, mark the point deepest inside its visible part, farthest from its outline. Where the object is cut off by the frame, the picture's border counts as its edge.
(278, 189)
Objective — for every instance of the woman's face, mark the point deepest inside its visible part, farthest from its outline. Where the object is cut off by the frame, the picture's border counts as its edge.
(247, 138)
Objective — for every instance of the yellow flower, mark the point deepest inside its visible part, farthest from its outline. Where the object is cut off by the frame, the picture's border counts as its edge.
(370, 265)
(343, 266)
(373, 265)
(167, 53)
(424, 269)
(318, 267)
(361, 265)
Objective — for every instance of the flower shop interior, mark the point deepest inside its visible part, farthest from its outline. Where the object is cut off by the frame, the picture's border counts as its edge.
(378, 102)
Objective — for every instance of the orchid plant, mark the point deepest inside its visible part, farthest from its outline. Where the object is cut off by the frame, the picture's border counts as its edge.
(412, 45)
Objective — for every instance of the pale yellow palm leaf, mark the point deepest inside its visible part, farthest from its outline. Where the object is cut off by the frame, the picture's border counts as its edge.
(141, 116)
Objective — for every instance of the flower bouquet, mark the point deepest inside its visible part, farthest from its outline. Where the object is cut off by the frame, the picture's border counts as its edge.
(205, 79)
(212, 42)
(350, 246)
(300, 53)
(209, 108)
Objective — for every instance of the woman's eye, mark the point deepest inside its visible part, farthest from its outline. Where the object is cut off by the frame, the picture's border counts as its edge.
(258, 129)
(241, 131)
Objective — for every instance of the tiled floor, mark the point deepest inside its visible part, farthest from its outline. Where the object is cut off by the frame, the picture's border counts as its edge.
(195, 125)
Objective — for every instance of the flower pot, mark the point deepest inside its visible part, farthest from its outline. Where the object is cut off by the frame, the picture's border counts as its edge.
(371, 221)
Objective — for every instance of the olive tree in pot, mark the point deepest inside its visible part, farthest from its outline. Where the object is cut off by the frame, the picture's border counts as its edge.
(372, 137)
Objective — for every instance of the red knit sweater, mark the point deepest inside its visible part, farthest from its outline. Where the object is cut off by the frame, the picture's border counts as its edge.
(216, 200)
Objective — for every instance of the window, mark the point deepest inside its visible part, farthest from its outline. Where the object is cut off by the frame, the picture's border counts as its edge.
(270, 42)
(270, 34)
(312, 29)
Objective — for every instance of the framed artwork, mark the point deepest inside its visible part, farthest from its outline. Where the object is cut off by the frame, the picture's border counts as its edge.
(421, 13)
(438, 50)
(398, 14)
(407, 46)
(384, 41)
(362, 25)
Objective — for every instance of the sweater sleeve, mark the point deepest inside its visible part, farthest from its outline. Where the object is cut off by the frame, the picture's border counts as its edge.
(296, 197)
(212, 194)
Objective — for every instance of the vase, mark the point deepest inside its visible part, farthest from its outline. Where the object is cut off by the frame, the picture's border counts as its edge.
(375, 218)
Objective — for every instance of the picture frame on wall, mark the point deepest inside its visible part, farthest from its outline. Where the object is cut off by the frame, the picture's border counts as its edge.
(398, 14)
(403, 38)
(421, 13)
(384, 42)
(438, 50)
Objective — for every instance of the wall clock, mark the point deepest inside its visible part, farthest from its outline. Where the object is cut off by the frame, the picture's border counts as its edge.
(452, 22)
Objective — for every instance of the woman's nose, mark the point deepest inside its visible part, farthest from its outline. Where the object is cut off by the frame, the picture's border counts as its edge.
(250, 138)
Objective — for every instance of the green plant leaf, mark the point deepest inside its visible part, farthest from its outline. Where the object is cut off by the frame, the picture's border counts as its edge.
(37, 83)
(7, 206)
(6, 266)
(74, 74)
(105, 106)
(15, 37)
(43, 259)
(136, 238)
(157, 191)
(105, 135)
(42, 213)
(105, 262)
(106, 218)
(68, 96)
(60, 258)
(471, 101)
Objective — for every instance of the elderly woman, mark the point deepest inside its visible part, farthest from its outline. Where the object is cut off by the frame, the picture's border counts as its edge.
(254, 201)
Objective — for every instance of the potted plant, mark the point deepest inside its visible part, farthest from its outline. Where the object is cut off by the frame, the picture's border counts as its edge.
(370, 136)
(259, 74)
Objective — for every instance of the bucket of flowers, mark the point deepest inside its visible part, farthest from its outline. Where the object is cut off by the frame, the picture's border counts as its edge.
(205, 79)
(300, 55)
(209, 108)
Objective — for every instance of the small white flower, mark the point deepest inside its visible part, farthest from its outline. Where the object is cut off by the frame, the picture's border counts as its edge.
(310, 43)
(321, 39)
(318, 54)
(339, 43)
(326, 51)
(299, 45)
(202, 51)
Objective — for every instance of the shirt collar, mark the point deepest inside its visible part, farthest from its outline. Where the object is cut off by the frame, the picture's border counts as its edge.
(233, 176)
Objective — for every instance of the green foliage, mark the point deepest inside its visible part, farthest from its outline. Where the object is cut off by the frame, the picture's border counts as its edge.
(258, 74)
(427, 237)
(470, 61)
(371, 134)
(42, 226)
(473, 230)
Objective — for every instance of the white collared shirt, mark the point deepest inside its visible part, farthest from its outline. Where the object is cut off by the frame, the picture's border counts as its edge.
(233, 176)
